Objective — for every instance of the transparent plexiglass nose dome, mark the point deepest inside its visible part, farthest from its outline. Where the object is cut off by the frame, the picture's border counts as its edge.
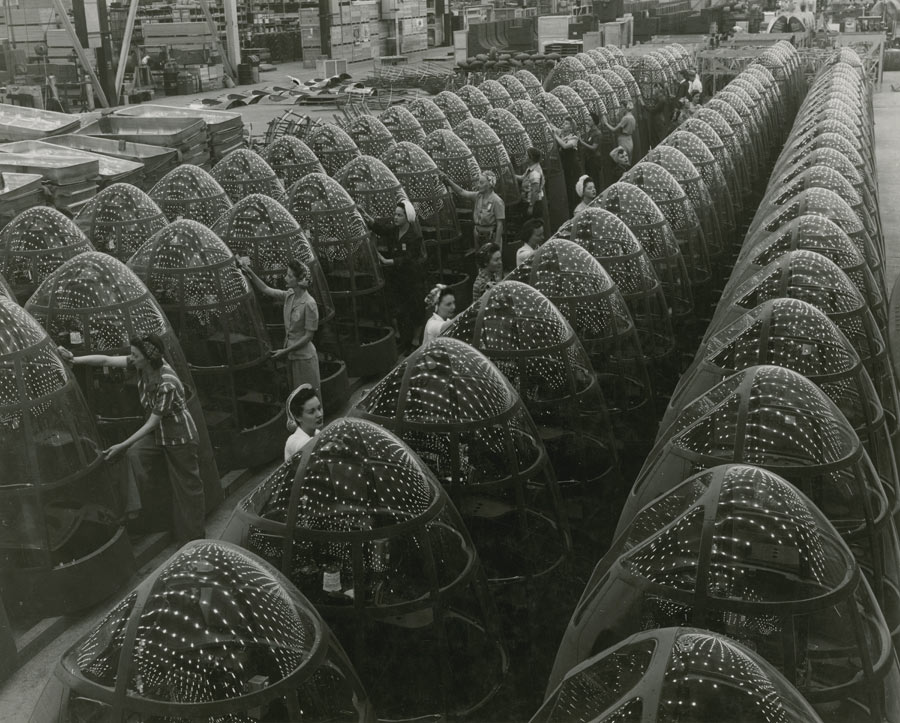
(591, 98)
(291, 159)
(402, 124)
(496, 93)
(332, 146)
(213, 634)
(342, 243)
(94, 304)
(576, 107)
(263, 230)
(720, 152)
(665, 191)
(643, 217)
(372, 185)
(514, 87)
(535, 124)
(189, 192)
(588, 298)
(119, 219)
(194, 277)
(370, 135)
(364, 530)
(512, 134)
(530, 82)
(564, 72)
(796, 335)
(675, 674)
(430, 117)
(812, 232)
(63, 548)
(475, 101)
(452, 106)
(454, 158)
(465, 420)
(744, 553)
(777, 419)
(491, 155)
(34, 244)
(243, 172)
(529, 340)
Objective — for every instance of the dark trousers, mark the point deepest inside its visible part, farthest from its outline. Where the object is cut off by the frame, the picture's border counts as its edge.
(145, 458)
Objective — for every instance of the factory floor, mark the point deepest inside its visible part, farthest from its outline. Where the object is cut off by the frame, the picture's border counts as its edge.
(50, 639)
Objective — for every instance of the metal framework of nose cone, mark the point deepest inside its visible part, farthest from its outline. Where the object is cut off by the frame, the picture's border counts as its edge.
(785, 71)
(372, 186)
(213, 634)
(63, 547)
(371, 136)
(749, 91)
(192, 274)
(577, 108)
(119, 219)
(34, 244)
(243, 172)
(748, 141)
(476, 101)
(491, 155)
(673, 203)
(734, 146)
(642, 216)
(402, 125)
(590, 97)
(513, 87)
(823, 202)
(262, 229)
(465, 420)
(703, 160)
(554, 109)
(608, 96)
(496, 93)
(837, 143)
(774, 418)
(674, 674)
(652, 80)
(795, 335)
(344, 247)
(587, 62)
(834, 111)
(623, 83)
(332, 146)
(452, 106)
(812, 278)
(512, 135)
(364, 530)
(528, 339)
(716, 146)
(742, 552)
(430, 117)
(600, 58)
(838, 128)
(564, 72)
(291, 159)
(535, 124)
(94, 304)
(837, 161)
(189, 192)
(454, 158)
(588, 298)
(812, 232)
(694, 187)
(530, 82)
(753, 124)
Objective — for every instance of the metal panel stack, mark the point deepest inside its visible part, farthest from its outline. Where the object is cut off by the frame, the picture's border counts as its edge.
(186, 135)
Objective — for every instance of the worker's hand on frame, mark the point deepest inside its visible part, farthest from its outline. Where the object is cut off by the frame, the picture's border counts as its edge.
(279, 353)
(110, 454)
(66, 354)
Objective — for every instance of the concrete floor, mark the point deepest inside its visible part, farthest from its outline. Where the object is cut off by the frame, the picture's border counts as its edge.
(20, 692)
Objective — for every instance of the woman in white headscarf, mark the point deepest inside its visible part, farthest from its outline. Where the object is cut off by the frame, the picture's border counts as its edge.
(403, 257)
(586, 191)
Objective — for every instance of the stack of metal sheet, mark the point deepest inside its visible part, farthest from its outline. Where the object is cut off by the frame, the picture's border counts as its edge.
(19, 191)
(186, 135)
(69, 180)
(18, 123)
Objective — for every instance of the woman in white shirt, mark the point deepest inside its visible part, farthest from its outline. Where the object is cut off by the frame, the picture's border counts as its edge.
(304, 411)
(442, 303)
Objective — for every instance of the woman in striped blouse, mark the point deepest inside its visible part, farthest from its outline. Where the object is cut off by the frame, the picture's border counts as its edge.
(169, 433)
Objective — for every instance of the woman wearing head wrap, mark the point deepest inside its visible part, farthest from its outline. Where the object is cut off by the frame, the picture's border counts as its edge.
(169, 434)
(442, 303)
(489, 213)
(403, 259)
(587, 192)
(305, 417)
(301, 321)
